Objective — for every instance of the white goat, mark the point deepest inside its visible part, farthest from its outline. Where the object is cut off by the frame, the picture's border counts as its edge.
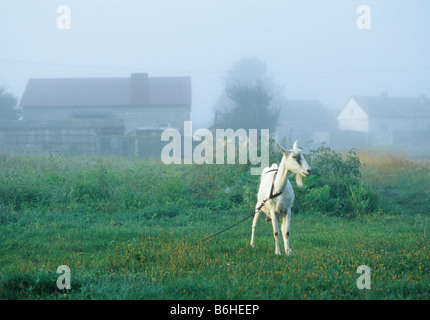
(277, 194)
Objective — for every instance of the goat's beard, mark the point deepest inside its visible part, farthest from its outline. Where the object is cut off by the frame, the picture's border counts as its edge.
(299, 180)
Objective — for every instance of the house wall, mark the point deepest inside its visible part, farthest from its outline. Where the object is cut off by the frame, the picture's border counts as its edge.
(361, 125)
(294, 128)
(353, 118)
(398, 125)
(153, 116)
(304, 130)
(133, 116)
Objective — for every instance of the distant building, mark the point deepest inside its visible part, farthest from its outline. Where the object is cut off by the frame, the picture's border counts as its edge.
(98, 115)
(139, 101)
(384, 120)
(305, 120)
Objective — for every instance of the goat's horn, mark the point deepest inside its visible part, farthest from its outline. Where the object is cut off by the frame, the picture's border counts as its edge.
(295, 145)
(281, 148)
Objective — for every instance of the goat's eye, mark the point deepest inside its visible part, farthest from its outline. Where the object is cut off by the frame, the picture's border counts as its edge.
(294, 157)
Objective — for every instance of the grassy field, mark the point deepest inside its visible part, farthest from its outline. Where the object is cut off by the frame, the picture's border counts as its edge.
(127, 230)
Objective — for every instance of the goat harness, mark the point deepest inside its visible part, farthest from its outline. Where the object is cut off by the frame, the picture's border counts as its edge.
(271, 196)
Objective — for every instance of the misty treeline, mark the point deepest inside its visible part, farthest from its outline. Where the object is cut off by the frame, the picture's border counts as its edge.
(8, 105)
(250, 100)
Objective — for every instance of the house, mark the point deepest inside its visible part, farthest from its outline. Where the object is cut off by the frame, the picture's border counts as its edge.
(139, 101)
(98, 115)
(305, 120)
(385, 120)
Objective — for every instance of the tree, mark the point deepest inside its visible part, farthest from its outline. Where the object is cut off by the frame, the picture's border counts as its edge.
(8, 106)
(250, 71)
(251, 99)
(251, 108)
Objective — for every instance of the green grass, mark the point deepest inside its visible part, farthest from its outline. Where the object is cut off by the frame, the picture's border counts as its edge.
(127, 230)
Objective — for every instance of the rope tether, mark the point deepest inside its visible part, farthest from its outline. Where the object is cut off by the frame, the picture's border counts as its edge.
(251, 215)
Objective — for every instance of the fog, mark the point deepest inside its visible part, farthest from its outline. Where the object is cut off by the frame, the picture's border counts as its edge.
(314, 50)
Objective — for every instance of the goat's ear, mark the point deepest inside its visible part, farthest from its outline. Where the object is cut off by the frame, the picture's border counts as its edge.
(283, 150)
(295, 145)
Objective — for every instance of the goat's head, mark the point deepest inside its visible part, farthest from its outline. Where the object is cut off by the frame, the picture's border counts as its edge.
(296, 162)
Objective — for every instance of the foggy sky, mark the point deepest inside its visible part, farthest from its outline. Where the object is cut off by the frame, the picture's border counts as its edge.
(312, 48)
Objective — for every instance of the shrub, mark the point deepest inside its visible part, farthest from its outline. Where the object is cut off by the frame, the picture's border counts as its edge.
(335, 185)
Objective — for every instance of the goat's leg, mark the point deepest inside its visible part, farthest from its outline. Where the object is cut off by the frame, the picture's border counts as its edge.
(275, 232)
(254, 225)
(285, 228)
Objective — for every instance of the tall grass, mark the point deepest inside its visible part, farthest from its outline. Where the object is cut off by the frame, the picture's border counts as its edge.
(111, 185)
(383, 159)
(404, 184)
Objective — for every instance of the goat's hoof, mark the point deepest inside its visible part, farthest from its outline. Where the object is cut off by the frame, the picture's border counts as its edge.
(288, 252)
(278, 253)
(252, 245)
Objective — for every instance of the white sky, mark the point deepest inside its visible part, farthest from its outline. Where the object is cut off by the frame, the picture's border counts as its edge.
(313, 48)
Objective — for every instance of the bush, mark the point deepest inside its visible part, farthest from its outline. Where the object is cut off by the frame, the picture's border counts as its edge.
(335, 185)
